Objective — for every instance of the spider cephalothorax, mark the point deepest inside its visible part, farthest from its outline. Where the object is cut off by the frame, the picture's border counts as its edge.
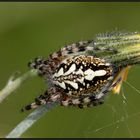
(81, 74)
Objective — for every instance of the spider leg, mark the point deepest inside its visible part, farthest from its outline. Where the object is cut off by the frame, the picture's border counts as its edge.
(79, 48)
(41, 65)
(82, 101)
(48, 66)
(41, 100)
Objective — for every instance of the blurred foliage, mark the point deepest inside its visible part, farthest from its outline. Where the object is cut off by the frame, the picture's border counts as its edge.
(28, 30)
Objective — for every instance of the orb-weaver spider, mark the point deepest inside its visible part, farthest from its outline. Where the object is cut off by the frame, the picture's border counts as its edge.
(77, 78)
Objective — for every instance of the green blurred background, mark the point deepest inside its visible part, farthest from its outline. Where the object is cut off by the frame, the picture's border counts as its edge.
(28, 30)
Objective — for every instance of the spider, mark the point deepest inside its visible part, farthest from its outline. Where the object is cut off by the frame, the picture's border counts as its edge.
(76, 78)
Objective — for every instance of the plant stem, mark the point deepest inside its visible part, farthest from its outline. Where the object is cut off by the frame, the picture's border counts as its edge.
(30, 120)
(12, 84)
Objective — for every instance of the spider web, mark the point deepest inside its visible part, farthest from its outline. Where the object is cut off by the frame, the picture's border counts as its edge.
(123, 118)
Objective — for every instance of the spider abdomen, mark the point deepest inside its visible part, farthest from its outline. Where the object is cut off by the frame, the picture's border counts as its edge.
(82, 74)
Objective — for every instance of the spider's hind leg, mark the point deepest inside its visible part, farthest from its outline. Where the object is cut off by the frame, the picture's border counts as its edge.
(51, 95)
(42, 99)
(82, 101)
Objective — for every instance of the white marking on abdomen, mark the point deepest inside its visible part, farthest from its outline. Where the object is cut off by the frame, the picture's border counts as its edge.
(81, 80)
(100, 73)
(71, 69)
(61, 84)
(90, 74)
(60, 72)
(73, 84)
(79, 72)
